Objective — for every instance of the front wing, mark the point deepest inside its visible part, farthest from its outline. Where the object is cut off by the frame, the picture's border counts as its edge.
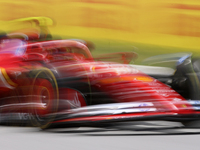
(109, 113)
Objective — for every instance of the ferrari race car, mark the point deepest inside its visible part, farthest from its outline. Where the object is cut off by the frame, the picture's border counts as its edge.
(59, 83)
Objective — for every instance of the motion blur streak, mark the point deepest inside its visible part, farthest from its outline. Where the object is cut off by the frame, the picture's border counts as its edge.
(143, 21)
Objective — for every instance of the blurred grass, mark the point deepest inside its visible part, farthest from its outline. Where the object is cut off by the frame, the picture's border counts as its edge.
(143, 50)
(105, 46)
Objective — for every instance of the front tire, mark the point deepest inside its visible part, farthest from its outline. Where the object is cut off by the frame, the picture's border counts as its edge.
(44, 92)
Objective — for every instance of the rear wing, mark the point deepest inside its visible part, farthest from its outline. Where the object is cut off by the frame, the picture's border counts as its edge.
(120, 57)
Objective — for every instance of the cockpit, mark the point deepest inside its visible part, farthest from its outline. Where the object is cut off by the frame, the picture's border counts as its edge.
(13, 46)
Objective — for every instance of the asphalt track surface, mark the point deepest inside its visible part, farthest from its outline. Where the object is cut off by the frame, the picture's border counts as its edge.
(129, 136)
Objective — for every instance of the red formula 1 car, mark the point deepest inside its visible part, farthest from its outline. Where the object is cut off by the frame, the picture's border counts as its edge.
(59, 83)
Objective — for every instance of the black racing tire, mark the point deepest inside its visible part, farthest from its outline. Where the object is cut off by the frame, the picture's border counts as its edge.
(190, 70)
(196, 68)
(44, 90)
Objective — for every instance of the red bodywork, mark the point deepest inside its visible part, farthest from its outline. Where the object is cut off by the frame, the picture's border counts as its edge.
(33, 75)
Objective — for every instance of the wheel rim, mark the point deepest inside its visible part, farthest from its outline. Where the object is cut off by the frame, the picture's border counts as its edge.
(45, 97)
